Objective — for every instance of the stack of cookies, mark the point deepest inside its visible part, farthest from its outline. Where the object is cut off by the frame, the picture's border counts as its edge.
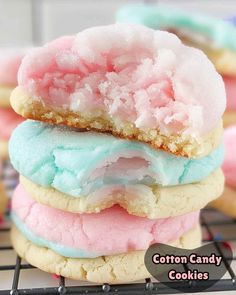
(123, 152)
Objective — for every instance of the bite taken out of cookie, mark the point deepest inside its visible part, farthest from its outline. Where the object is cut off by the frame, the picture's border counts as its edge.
(128, 80)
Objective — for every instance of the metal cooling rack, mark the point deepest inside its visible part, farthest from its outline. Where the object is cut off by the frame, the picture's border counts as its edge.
(215, 226)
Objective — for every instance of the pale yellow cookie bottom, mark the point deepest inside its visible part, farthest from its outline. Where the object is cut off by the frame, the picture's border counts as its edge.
(106, 269)
(184, 145)
(227, 202)
(229, 118)
(161, 202)
(223, 59)
(4, 149)
(5, 93)
(3, 199)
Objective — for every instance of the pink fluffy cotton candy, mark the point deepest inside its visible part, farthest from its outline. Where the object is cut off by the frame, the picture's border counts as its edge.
(8, 122)
(229, 166)
(132, 74)
(10, 60)
(111, 231)
(230, 87)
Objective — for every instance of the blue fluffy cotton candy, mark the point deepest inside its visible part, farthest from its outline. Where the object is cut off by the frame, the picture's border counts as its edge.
(221, 32)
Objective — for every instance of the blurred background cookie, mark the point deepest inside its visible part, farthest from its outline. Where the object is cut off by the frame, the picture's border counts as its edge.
(227, 202)
(214, 36)
(3, 195)
(10, 60)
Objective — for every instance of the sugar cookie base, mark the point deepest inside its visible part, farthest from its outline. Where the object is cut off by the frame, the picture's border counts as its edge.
(3, 199)
(227, 202)
(184, 145)
(229, 118)
(4, 149)
(5, 93)
(223, 59)
(164, 202)
(106, 269)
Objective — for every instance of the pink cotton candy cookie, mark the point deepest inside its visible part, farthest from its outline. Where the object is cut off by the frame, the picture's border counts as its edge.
(227, 202)
(110, 232)
(129, 80)
(60, 242)
(10, 60)
(113, 269)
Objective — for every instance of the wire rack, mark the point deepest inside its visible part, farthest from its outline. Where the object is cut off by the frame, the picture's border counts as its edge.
(215, 227)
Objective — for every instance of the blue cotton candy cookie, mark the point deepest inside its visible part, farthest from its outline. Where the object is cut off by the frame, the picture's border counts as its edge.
(214, 36)
(221, 32)
(79, 163)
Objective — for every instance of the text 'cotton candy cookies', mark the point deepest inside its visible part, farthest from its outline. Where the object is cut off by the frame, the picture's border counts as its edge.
(215, 37)
(138, 157)
(131, 81)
